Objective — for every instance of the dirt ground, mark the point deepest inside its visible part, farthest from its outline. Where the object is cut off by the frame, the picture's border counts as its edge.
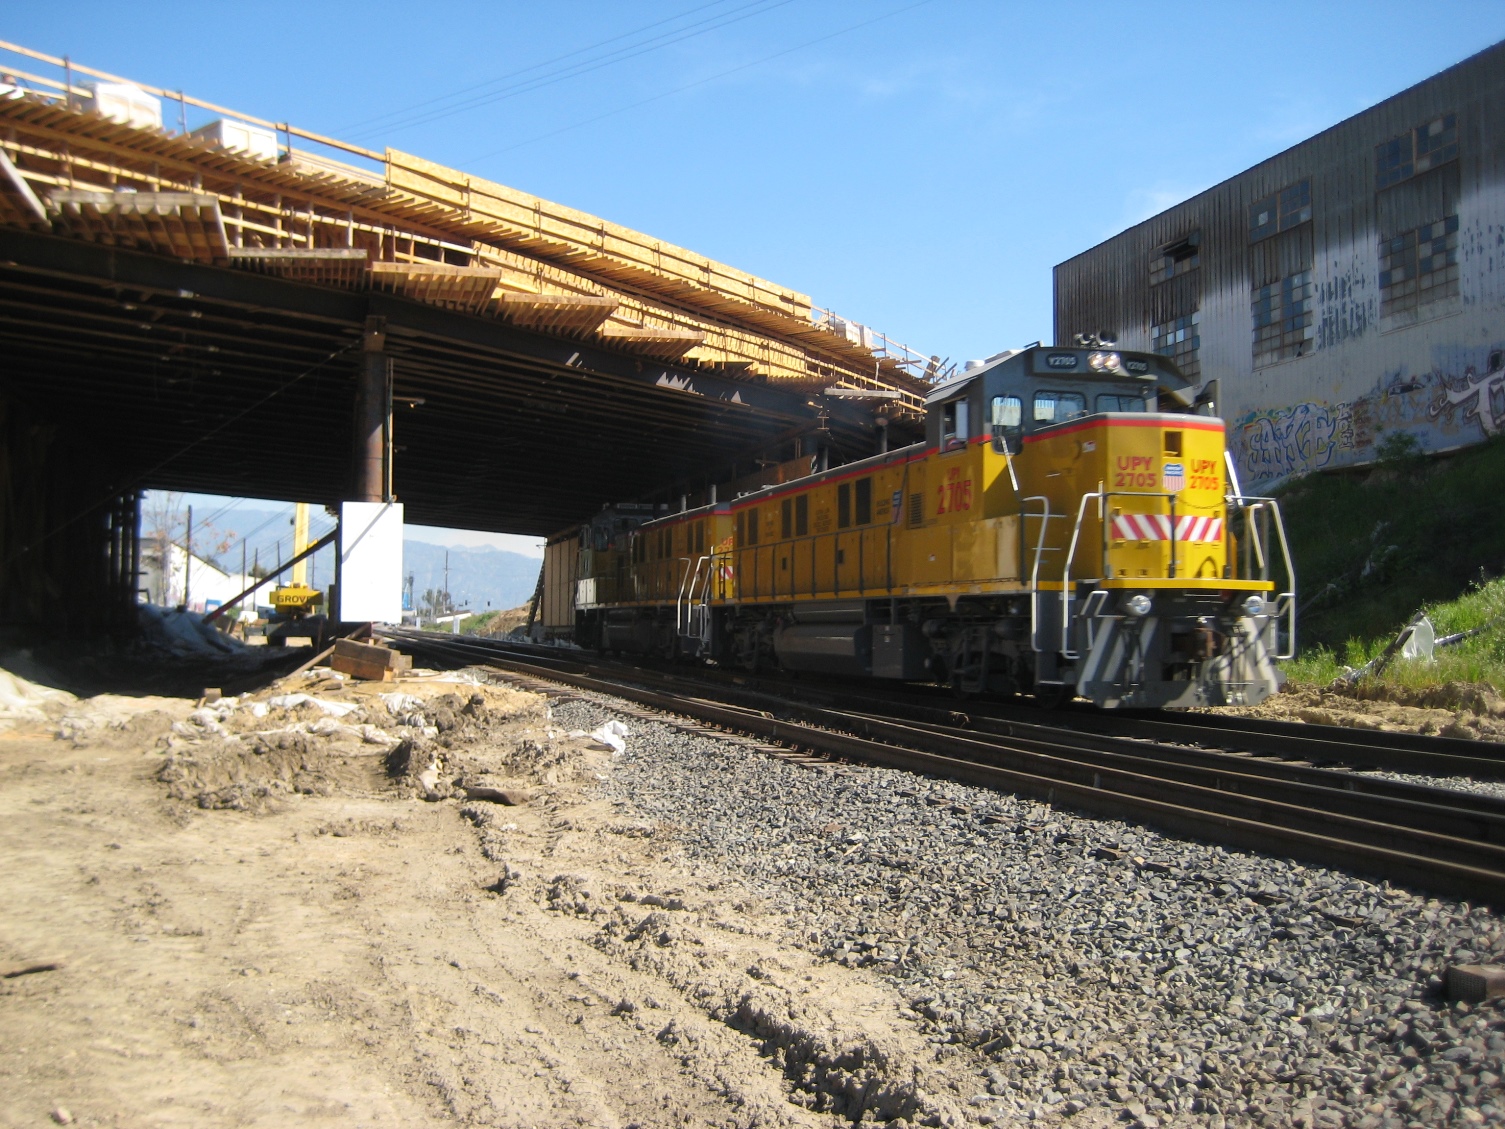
(1468, 711)
(285, 909)
(257, 919)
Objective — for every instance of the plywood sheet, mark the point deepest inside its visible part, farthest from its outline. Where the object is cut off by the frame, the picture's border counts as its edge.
(186, 225)
(327, 266)
(574, 314)
(662, 344)
(467, 289)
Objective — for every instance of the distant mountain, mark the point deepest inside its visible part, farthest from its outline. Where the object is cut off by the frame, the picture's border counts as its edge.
(478, 577)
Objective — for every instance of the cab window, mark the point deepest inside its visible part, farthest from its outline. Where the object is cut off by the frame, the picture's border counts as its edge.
(954, 430)
(1054, 407)
(1008, 421)
(1113, 402)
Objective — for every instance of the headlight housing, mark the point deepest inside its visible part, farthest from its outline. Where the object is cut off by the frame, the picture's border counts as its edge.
(1104, 361)
(1254, 605)
(1138, 604)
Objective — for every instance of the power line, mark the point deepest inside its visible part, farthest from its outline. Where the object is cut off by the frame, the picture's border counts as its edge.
(219, 513)
(246, 540)
(698, 82)
(574, 71)
(382, 118)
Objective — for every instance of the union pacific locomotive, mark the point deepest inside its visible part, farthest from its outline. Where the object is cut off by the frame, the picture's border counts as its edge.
(1068, 527)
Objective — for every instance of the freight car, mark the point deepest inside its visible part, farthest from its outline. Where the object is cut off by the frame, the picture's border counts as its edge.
(1068, 526)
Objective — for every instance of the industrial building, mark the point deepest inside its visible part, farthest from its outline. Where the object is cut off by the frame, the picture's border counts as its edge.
(1345, 291)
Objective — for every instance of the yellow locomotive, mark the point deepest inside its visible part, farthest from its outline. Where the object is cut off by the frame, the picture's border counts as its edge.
(1067, 527)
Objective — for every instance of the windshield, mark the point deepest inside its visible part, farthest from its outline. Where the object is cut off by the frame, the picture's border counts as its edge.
(1054, 407)
(1113, 402)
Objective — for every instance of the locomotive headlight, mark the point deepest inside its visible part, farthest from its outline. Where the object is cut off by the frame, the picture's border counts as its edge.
(1103, 362)
(1254, 605)
(1137, 604)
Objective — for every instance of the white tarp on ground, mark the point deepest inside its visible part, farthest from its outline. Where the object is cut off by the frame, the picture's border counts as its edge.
(184, 633)
(21, 700)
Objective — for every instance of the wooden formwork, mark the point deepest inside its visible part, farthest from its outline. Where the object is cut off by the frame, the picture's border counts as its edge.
(470, 244)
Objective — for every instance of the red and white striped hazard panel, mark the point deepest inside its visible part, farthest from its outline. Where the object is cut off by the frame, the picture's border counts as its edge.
(1157, 527)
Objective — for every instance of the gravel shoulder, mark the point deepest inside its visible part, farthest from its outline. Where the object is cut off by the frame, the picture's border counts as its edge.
(1077, 970)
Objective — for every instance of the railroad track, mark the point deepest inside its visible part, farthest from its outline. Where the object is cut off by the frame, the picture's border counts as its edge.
(1435, 838)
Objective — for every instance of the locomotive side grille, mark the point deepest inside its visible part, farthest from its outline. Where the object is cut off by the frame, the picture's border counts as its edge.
(916, 509)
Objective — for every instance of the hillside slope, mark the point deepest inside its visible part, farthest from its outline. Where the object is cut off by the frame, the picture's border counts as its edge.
(1371, 549)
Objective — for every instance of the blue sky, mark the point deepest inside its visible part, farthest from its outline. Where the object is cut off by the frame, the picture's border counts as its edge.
(918, 166)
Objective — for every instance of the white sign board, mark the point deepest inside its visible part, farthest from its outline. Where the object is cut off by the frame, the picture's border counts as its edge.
(370, 562)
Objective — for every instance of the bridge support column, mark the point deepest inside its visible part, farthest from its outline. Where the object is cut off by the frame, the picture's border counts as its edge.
(370, 543)
(372, 469)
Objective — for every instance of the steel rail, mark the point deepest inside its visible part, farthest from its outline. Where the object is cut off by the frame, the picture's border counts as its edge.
(1289, 817)
(1314, 744)
(1297, 745)
(1448, 812)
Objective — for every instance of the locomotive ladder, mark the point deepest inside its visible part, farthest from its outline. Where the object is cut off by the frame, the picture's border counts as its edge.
(692, 612)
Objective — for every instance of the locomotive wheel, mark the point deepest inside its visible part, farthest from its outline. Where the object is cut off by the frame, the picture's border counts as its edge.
(1053, 697)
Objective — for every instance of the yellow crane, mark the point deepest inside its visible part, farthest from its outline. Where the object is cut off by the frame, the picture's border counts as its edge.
(296, 599)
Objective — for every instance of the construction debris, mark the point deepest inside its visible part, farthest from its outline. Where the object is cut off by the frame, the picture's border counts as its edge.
(368, 661)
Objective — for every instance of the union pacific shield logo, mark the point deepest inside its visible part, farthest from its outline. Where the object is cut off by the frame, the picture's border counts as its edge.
(1173, 479)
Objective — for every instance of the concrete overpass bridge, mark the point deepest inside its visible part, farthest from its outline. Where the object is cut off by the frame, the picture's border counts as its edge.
(226, 304)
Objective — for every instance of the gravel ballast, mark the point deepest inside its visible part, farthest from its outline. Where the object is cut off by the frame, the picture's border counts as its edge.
(1089, 968)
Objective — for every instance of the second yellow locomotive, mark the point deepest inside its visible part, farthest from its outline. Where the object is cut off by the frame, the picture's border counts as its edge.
(1056, 533)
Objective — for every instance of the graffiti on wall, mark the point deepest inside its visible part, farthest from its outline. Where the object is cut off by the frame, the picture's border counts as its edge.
(1439, 409)
(1294, 440)
(1475, 398)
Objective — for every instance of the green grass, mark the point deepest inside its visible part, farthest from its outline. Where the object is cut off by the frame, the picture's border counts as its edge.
(1372, 549)
(1477, 659)
(472, 624)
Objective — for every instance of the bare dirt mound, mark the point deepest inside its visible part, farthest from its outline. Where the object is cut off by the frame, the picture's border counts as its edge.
(1468, 711)
(401, 905)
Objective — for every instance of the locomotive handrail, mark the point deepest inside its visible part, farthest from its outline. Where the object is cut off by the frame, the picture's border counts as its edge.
(1285, 602)
(1076, 530)
(1238, 490)
(1034, 572)
(687, 577)
(1008, 462)
(1254, 538)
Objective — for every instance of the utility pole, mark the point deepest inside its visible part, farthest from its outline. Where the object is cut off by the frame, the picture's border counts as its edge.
(188, 554)
(448, 603)
(164, 558)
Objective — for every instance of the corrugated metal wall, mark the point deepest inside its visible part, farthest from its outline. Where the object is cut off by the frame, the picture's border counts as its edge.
(1434, 372)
